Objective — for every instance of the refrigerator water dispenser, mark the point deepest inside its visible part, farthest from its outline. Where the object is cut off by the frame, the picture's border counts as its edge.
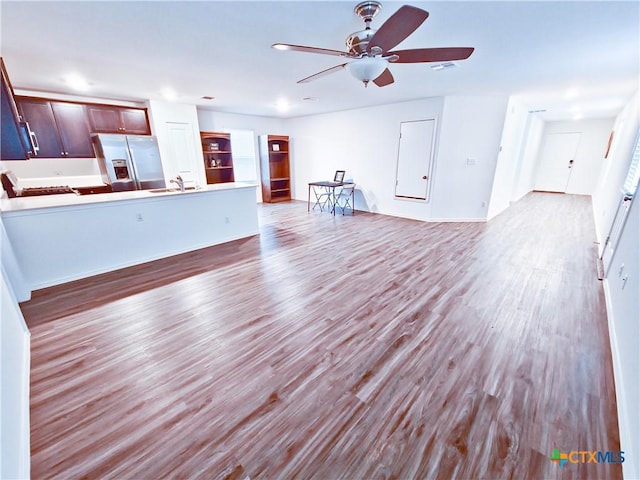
(121, 170)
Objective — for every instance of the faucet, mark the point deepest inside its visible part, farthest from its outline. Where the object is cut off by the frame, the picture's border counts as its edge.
(179, 181)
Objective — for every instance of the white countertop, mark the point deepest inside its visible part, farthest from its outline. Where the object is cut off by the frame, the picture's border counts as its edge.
(19, 204)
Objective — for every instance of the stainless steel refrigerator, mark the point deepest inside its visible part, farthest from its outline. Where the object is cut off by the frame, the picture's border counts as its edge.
(129, 162)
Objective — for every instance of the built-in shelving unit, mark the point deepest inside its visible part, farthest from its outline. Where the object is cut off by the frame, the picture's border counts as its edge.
(274, 168)
(218, 160)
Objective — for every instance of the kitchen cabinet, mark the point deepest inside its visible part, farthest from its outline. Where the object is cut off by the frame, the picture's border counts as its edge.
(74, 129)
(274, 168)
(218, 160)
(40, 117)
(14, 145)
(114, 119)
(62, 129)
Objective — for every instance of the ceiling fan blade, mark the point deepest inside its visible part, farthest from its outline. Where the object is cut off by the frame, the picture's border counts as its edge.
(397, 27)
(303, 48)
(321, 74)
(420, 55)
(384, 79)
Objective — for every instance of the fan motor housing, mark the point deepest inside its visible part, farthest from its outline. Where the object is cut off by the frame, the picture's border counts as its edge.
(357, 42)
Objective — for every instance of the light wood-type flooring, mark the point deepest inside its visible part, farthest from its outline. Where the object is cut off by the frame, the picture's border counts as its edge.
(355, 347)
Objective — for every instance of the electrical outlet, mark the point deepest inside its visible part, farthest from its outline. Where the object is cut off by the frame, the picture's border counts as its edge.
(227, 220)
(620, 270)
(471, 161)
(139, 217)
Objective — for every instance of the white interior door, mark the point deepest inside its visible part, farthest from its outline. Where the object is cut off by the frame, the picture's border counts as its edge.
(415, 154)
(556, 161)
(183, 158)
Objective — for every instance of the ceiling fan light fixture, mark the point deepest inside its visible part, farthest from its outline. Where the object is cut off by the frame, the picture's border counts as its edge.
(367, 68)
(370, 51)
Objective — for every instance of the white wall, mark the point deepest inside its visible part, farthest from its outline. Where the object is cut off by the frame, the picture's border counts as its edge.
(623, 299)
(608, 191)
(14, 385)
(10, 265)
(509, 158)
(52, 167)
(623, 304)
(212, 121)
(525, 171)
(471, 129)
(589, 159)
(364, 142)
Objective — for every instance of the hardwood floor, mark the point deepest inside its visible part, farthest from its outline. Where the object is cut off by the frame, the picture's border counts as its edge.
(362, 347)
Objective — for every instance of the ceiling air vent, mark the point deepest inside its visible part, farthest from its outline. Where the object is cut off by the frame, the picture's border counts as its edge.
(443, 66)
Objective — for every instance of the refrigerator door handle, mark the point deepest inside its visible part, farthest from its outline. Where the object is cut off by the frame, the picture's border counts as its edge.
(133, 168)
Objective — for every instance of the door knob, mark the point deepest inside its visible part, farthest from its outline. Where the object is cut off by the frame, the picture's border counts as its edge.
(424, 177)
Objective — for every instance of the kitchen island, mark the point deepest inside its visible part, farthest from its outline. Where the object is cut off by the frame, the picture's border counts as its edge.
(59, 238)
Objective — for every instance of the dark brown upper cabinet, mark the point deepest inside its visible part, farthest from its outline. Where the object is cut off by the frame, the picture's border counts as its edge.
(62, 129)
(14, 137)
(74, 128)
(114, 119)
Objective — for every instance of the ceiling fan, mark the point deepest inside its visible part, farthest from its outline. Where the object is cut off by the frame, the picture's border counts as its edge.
(370, 50)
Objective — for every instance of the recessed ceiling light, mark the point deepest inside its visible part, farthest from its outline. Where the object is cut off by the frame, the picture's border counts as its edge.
(571, 93)
(169, 93)
(283, 105)
(77, 82)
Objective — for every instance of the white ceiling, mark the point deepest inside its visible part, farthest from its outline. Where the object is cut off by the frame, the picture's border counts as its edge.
(568, 58)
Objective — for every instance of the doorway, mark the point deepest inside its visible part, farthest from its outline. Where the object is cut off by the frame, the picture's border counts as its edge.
(246, 167)
(556, 162)
(415, 155)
